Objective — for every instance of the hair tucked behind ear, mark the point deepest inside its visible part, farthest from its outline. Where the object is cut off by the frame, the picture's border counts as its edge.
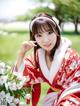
(34, 29)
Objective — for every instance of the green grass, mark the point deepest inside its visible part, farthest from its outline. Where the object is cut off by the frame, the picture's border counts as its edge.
(9, 47)
(75, 42)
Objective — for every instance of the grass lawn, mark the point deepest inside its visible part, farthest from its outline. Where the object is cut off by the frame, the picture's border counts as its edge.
(10, 44)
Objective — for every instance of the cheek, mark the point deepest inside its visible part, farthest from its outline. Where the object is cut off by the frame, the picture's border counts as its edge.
(37, 40)
(54, 38)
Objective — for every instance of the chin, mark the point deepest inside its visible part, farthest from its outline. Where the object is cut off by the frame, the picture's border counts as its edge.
(48, 50)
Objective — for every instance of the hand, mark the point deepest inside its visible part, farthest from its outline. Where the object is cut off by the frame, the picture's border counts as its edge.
(26, 46)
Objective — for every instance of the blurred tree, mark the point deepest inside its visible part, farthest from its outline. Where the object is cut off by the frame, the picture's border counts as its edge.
(43, 9)
(25, 17)
(68, 10)
(44, 6)
(64, 10)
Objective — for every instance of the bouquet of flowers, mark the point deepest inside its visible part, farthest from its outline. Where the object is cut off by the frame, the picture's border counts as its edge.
(12, 92)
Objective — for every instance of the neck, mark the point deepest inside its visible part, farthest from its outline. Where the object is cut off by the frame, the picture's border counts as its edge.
(48, 55)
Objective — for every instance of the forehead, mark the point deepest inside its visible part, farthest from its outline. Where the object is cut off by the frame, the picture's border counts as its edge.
(42, 26)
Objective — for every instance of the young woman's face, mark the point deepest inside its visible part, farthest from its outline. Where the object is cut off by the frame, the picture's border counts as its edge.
(46, 40)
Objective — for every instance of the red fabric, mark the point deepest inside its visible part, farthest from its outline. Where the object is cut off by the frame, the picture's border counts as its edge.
(49, 90)
(27, 101)
(69, 101)
(69, 72)
(36, 94)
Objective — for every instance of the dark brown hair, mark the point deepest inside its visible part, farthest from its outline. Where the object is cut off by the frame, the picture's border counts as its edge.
(41, 27)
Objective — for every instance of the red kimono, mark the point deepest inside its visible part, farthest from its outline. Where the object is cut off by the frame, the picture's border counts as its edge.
(63, 76)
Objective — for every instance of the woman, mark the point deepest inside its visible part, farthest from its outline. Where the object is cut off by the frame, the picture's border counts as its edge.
(53, 62)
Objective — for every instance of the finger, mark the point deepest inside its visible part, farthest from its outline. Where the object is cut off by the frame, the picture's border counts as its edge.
(33, 43)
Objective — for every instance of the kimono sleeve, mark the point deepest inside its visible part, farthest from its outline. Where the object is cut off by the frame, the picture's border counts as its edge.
(70, 95)
(29, 70)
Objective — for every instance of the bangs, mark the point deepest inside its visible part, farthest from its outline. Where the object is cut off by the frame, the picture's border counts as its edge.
(42, 26)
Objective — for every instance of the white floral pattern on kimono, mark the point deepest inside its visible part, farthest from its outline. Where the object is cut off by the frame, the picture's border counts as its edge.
(63, 76)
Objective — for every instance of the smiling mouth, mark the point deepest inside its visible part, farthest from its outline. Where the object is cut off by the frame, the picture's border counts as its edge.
(47, 45)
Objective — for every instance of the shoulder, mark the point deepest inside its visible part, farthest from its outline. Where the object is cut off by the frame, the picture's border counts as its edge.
(71, 52)
(71, 55)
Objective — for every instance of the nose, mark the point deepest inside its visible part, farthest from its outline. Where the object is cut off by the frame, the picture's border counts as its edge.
(46, 39)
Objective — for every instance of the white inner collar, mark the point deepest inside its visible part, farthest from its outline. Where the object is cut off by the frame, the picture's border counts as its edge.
(58, 57)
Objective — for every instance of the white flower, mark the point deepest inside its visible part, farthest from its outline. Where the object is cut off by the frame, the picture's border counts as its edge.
(21, 77)
(9, 98)
(3, 102)
(12, 85)
(12, 104)
(16, 100)
(22, 104)
(3, 79)
(2, 94)
(8, 67)
(18, 74)
(2, 67)
(20, 85)
(28, 96)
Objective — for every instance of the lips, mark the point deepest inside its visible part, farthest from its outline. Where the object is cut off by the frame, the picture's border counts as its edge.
(47, 45)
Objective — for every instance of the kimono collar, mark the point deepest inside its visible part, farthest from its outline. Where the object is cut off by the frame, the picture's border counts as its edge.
(56, 63)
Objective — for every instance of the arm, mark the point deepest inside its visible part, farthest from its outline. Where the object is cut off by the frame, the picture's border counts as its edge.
(26, 67)
(25, 47)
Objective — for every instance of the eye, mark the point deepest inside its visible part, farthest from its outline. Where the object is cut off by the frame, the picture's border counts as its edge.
(50, 32)
(38, 35)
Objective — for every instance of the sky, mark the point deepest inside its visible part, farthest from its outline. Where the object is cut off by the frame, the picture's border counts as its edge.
(11, 8)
